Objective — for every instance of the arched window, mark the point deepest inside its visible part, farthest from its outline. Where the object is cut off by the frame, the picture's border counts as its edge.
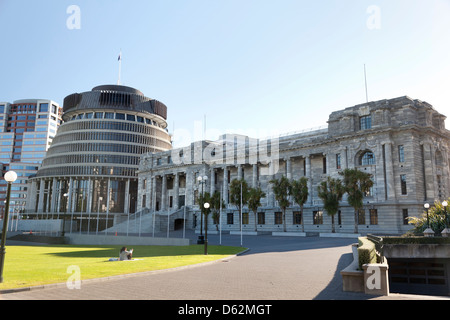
(367, 158)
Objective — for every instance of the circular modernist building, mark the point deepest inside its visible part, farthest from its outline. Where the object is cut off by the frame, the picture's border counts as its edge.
(91, 166)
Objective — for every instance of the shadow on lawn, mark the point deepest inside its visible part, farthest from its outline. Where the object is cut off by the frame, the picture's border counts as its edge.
(141, 251)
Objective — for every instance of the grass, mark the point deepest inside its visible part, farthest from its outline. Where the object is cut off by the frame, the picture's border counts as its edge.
(27, 266)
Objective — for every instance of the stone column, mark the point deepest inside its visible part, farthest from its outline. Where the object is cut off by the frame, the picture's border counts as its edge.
(213, 181)
(153, 194)
(164, 193)
(225, 185)
(255, 176)
(41, 196)
(309, 176)
(68, 208)
(390, 182)
(53, 195)
(428, 170)
(126, 206)
(176, 190)
(189, 196)
(288, 168)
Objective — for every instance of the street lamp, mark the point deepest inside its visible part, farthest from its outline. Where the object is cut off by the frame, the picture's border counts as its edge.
(65, 195)
(446, 231)
(206, 206)
(428, 232)
(9, 177)
(201, 180)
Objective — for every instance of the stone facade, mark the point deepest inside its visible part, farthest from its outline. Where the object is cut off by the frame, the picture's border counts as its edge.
(402, 142)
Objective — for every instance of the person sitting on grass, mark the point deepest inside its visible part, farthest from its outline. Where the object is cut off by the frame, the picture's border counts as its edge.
(125, 255)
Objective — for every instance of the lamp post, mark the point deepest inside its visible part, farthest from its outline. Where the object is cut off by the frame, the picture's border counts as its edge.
(201, 180)
(65, 195)
(9, 177)
(206, 206)
(428, 232)
(446, 231)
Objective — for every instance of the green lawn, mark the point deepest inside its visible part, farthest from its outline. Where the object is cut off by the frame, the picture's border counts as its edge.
(27, 266)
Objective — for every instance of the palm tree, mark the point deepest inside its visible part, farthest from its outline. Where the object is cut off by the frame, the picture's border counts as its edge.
(216, 204)
(281, 189)
(236, 196)
(299, 191)
(254, 201)
(331, 192)
(356, 185)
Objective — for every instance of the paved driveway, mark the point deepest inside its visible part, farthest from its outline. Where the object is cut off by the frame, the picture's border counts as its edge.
(287, 268)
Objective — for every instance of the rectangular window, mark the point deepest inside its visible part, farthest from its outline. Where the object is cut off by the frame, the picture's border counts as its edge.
(373, 213)
(297, 217)
(338, 161)
(405, 216)
(261, 218)
(278, 218)
(324, 165)
(230, 219)
(318, 217)
(361, 216)
(403, 184)
(244, 217)
(43, 107)
(401, 154)
(365, 122)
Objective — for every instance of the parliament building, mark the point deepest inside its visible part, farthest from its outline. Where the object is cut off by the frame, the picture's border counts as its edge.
(401, 142)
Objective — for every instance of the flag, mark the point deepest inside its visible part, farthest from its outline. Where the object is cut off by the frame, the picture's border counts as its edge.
(120, 57)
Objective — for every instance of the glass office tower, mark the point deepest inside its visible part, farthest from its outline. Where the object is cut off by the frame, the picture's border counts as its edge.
(27, 128)
(91, 166)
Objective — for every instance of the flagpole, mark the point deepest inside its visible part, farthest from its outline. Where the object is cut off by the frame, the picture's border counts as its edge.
(120, 67)
(365, 79)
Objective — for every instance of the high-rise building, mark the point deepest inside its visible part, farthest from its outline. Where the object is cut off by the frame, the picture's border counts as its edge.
(92, 164)
(27, 128)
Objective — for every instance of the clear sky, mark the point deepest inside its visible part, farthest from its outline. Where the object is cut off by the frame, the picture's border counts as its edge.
(256, 67)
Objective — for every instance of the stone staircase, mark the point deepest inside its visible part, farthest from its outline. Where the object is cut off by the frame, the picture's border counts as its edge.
(145, 222)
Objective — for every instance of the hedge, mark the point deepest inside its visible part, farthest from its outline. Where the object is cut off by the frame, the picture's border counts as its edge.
(415, 240)
(366, 252)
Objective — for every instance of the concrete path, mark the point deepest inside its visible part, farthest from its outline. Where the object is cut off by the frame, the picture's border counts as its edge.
(275, 268)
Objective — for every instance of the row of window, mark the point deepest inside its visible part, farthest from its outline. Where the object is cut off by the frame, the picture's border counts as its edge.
(107, 136)
(88, 171)
(297, 217)
(114, 115)
(91, 158)
(317, 217)
(113, 125)
(101, 147)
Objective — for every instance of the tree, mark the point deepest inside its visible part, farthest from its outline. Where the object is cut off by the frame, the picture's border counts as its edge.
(299, 191)
(436, 219)
(216, 203)
(254, 201)
(235, 194)
(281, 189)
(356, 184)
(331, 192)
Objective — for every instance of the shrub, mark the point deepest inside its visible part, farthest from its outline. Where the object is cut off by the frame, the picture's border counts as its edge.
(366, 252)
(437, 218)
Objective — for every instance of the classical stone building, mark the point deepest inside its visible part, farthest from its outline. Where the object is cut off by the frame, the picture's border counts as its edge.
(402, 142)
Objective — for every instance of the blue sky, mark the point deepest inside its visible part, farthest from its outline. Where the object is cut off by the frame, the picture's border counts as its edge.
(255, 67)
